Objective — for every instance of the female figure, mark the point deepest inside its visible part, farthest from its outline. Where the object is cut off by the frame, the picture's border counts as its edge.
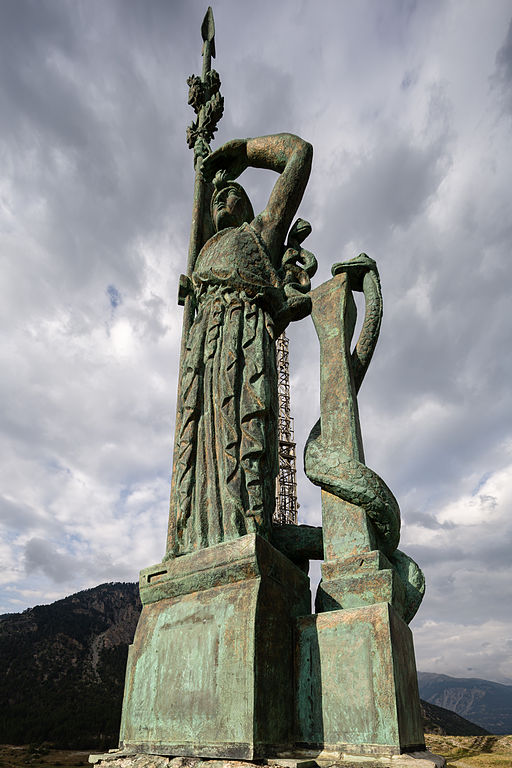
(226, 463)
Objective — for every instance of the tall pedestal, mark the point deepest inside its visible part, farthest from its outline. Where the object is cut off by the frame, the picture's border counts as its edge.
(211, 669)
(357, 690)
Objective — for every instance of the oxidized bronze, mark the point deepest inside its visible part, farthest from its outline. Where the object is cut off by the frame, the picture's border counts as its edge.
(228, 661)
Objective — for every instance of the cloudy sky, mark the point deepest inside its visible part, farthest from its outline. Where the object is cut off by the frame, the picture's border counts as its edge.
(409, 108)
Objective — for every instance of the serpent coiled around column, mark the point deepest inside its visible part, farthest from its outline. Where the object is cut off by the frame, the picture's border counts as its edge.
(336, 470)
(329, 466)
(352, 481)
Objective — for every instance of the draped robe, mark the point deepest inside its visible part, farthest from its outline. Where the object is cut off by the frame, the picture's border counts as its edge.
(224, 484)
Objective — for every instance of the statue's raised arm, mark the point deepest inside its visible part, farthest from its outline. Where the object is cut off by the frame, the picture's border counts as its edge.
(285, 153)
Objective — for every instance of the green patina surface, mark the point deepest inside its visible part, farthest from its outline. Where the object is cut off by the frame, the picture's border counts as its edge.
(210, 671)
(247, 282)
(356, 681)
(356, 676)
(334, 457)
(227, 660)
(359, 512)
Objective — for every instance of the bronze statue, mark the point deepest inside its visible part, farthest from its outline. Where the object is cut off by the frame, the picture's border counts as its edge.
(246, 286)
(227, 660)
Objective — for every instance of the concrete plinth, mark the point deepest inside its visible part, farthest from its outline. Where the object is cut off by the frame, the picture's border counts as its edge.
(210, 671)
(357, 691)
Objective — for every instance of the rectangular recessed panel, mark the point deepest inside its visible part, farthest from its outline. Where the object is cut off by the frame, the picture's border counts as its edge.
(193, 660)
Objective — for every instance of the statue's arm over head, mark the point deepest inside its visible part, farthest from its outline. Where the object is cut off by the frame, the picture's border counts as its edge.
(285, 153)
(291, 157)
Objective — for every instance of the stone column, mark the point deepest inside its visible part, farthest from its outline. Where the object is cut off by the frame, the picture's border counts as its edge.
(357, 691)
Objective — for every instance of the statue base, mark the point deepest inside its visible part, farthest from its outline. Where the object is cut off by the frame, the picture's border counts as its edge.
(363, 579)
(357, 690)
(210, 672)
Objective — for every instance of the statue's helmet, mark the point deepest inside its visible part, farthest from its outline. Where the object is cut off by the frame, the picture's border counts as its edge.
(221, 182)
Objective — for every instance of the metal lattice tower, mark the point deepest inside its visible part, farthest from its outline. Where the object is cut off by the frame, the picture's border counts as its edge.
(286, 482)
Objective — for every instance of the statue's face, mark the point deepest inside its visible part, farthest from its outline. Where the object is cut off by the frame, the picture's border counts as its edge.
(227, 209)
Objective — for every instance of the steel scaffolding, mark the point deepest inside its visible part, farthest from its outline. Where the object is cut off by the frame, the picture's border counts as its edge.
(286, 482)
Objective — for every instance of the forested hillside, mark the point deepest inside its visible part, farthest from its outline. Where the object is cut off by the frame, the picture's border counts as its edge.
(63, 668)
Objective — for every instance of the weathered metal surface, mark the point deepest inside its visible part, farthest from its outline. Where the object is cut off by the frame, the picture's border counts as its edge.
(300, 543)
(359, 512)
(222, 664)
(210, 673)
(334, 457)
(224, 563)
(355, 590)
(347, 529)
(208, 104)
(247, 285)
(359, 564)
(359, 580)
(245, 282)
(356, 685)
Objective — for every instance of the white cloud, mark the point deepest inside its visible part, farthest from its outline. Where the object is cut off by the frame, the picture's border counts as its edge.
(489, 503)
(481, 650)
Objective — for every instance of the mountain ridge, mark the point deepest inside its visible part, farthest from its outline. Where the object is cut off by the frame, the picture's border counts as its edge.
(484, 702)
(444, 676)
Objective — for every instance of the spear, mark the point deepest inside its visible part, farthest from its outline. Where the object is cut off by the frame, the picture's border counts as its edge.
(205, 98)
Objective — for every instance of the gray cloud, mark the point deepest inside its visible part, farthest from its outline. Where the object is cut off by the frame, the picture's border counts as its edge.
(387, 189)
(42, 555)
(14, 515)
(502, 77)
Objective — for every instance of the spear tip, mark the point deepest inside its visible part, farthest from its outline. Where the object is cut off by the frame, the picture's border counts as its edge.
(208, 30)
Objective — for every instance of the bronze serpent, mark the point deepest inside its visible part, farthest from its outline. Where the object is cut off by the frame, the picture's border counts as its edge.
(337, 465)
